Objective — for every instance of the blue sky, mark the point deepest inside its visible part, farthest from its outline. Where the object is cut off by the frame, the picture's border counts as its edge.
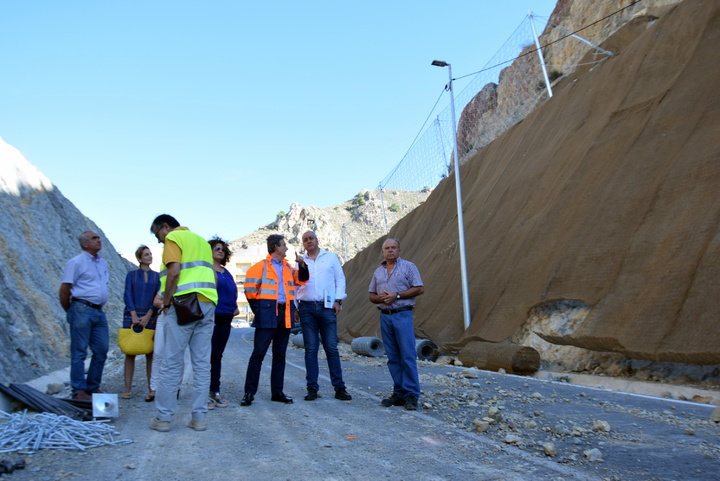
(223, 113)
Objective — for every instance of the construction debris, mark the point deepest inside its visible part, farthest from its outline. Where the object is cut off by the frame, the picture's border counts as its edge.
(40, 402)
(27, 433)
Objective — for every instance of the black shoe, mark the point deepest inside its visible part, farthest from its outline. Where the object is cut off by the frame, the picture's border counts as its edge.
(311, 395)
(342, 395)
(247, 399)
(411, 403)
(281, 398)
(393, 400)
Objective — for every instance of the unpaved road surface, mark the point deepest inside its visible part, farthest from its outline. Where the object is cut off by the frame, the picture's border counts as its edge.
(533, 430)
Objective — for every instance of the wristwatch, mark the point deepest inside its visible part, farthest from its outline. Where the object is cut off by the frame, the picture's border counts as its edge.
(398, 296)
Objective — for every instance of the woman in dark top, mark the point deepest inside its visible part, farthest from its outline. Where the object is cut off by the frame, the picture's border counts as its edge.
(141, 286)
(225, 310)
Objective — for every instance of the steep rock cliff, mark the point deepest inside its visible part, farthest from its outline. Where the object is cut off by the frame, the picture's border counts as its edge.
(39, 234)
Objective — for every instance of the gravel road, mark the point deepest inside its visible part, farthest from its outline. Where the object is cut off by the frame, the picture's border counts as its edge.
(473, 425)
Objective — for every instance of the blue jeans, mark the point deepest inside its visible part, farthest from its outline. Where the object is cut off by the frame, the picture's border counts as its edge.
(319, 323)
(398, 335)
(88, 329)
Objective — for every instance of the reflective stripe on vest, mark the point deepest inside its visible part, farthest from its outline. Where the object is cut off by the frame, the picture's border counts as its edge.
(188, 265)
(265, 287)
(269, 282)
(196, 273)
(265, 281)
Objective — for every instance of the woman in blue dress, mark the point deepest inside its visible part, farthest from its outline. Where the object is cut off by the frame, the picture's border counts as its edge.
(225, 310)
(141, 286)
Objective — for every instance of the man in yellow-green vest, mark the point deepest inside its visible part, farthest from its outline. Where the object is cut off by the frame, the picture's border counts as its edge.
(187, 269)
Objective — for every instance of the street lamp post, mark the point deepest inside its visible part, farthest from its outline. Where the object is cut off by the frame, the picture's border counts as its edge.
(458, 195)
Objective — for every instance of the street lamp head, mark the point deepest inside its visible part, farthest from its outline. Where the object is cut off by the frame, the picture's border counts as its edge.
(439, 63)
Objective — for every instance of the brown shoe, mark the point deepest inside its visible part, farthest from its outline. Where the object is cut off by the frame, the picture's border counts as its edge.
(82, 396)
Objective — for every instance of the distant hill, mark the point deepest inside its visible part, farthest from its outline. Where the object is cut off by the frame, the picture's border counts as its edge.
(344, 229)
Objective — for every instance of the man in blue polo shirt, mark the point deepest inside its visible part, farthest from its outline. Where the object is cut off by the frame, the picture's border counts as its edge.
(394, 286)
(82, 294)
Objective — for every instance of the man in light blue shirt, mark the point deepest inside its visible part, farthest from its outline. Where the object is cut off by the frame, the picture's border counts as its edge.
(394, 287)
(320, 301)
(83, 293)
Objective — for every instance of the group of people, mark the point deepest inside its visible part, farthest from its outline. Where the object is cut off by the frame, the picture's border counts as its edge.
(310, 291)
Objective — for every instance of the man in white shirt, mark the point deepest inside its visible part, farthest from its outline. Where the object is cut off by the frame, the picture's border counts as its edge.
(82, 294)
(320, 301)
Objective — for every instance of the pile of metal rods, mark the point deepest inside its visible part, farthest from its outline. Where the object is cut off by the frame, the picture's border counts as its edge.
(40, 402)
(27, 433)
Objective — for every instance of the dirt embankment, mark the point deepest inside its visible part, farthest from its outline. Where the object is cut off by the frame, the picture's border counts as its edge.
(605, 196)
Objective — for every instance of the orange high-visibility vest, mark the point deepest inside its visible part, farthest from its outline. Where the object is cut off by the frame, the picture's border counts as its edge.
(261, 282)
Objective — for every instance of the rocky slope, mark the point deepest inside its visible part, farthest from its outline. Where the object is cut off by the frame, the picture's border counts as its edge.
(344, 229)
(39, 234)
(521, 86)
(592, 223)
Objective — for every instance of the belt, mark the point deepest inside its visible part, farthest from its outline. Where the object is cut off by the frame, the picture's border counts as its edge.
(395, 311)
(311, 302)
(87, 303)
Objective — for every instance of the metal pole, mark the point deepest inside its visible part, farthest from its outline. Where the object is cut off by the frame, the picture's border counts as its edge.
(382, 202)
(540, 54)
(583, 40)
(442, 146)
(458, 195)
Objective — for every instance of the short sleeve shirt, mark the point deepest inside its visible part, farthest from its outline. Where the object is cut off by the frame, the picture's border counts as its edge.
(403, 276)
(88, 276)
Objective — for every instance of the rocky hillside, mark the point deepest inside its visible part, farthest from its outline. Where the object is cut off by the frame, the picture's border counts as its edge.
(39, 234)
(592, 223)
(522, 86)
(344, 229)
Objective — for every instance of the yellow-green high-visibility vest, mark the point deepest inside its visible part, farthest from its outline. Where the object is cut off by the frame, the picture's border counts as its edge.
(196, 272)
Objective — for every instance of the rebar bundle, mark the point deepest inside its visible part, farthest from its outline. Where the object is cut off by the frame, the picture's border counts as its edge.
(27, 433)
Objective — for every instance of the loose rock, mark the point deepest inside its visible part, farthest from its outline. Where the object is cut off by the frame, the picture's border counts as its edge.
(701, 399)
(549, 449)
(593, 455)
(481, 426)
(54, 388)
(715, 415)
(601, 426)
